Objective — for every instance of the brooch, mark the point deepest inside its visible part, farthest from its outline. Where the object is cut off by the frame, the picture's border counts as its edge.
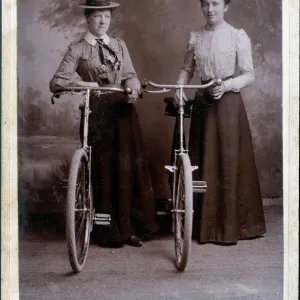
(103, 72)
(113, 61)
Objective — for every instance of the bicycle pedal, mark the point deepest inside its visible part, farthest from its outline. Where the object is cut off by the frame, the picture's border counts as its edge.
(64, 183)
(163, 206)
(199, 186)
(200, 191)
(162, 213)
(171, 168)
(102, 219)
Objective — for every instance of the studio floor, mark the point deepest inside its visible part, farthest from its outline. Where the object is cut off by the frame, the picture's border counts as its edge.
(252, 269)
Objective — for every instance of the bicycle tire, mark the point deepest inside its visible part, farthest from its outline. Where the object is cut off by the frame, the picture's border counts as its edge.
(183, 211)
(79, 207)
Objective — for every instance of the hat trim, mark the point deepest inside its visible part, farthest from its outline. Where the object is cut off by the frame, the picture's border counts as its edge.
(112, 5)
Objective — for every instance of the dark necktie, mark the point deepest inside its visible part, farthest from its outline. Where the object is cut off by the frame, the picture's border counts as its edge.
(101, 54)
(102, 45)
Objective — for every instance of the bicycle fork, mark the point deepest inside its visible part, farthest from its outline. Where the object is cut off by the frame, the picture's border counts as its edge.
(99, 219)
(198, 186)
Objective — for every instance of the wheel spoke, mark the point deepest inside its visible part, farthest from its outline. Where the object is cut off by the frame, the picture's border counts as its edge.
(78, 211)
(180, 216)
(183, 211)
(81, 231)
(80, 225)
(81, 213)
(182, 227)
(78, 238)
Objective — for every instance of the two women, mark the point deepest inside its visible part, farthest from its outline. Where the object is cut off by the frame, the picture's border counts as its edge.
(220, 137)
(121, 182)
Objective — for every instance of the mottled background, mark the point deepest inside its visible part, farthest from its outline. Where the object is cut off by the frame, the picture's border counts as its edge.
(156, 33)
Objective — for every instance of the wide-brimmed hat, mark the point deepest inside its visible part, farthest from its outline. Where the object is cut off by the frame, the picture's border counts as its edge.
(99, 4)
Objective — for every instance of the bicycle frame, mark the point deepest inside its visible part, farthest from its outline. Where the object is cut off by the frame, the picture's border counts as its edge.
(86, 91)
(183, 185)
(167, 88)
(100, 219)
(199, 186)
(182, 201)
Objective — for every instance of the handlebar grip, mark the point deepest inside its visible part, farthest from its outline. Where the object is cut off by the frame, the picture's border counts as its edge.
(219, 82)
(128, 90)
(144, 83)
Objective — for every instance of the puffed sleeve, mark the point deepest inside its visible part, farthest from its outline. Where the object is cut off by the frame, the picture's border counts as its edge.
(65, 71)
(244, 64)
(129, 77)
(187, 70)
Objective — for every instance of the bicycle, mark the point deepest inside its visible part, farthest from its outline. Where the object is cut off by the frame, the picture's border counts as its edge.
(80, 213)
(183, 187)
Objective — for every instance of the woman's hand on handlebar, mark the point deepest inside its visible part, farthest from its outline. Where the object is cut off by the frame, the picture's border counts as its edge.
(131, 95)
(217, 91)
(177, 96)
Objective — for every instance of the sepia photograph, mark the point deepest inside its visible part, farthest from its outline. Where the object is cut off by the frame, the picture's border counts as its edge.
(150, 150)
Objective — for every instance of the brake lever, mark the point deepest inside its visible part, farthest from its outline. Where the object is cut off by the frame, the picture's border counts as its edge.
(144, 83)
(54, 96)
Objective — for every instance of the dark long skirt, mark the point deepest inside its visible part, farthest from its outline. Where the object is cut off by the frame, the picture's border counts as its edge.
(220, 144)
(121, 180)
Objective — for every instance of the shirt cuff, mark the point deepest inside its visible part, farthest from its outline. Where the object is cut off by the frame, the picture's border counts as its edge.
(59, 84)
(229, 85)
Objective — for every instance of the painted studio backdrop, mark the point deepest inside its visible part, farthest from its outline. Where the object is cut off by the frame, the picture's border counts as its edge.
(156, 33)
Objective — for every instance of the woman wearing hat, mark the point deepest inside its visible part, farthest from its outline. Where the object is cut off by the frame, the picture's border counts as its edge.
(121, 182)
(220, 137)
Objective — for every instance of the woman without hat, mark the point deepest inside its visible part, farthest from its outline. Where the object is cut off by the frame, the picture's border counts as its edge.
(120, 177)
(220, 137)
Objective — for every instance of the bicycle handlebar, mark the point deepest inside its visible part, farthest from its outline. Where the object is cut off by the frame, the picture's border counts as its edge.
(85, 89)
(168, 87)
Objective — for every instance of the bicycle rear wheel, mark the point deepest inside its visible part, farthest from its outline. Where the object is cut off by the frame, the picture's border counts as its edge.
(78, 211)
(183, 210)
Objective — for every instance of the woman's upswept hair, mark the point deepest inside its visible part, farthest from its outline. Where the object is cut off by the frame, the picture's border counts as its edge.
(227, 2)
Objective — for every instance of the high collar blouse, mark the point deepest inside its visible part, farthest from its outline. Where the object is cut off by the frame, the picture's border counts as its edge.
(220, 53)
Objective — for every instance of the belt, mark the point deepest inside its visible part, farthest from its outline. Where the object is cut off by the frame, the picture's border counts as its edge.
(206, 101)
(224, 79)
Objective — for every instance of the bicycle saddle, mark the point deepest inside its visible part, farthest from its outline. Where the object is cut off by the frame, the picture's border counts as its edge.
(172, 109)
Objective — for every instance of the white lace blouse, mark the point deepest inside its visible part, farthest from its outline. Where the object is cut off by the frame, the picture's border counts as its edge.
(219, 53)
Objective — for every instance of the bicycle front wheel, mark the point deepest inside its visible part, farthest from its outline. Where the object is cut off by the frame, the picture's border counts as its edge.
(183, 210)
(78, 211)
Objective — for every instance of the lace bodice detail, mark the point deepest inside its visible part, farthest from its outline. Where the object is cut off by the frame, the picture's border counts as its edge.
(214, 51)
(220, 53)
